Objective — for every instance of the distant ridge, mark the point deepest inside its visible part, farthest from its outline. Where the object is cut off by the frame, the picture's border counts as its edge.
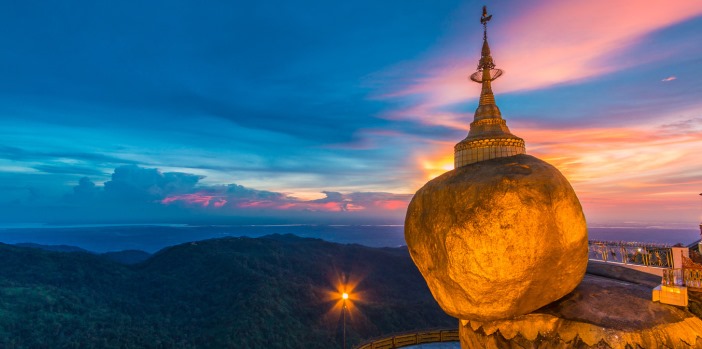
(55, 248)
(127, 257)
(124, 257)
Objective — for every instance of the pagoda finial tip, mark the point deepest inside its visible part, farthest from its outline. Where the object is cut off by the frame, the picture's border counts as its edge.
(485, 18)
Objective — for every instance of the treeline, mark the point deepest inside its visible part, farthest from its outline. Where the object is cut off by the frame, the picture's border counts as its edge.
(271, 292)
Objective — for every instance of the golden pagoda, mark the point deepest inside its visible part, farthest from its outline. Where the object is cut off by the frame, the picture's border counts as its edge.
(489, 136)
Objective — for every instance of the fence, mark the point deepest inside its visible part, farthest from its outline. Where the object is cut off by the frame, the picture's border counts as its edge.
(634, 253)
(407, 339)
(672, 263)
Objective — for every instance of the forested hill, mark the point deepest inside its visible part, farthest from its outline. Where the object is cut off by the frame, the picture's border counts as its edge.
(271, 292)
(124, 257)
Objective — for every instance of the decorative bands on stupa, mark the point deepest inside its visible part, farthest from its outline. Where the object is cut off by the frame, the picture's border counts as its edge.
(468, 152)
(489, 136)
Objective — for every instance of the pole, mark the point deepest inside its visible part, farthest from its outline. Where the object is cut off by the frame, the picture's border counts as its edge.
(343, 310)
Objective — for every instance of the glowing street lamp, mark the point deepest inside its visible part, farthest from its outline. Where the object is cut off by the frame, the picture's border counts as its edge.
(344, 297)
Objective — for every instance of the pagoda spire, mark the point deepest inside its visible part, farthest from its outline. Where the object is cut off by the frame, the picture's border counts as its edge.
(489, 136)
(486, 67)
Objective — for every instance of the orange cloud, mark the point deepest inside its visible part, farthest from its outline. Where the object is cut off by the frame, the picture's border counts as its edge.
(562, 41)
(629, 172)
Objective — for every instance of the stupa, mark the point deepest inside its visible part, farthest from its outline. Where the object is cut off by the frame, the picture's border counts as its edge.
(489, 136)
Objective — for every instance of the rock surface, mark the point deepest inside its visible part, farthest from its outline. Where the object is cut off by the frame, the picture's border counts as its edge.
(599, 313)
(498, 238)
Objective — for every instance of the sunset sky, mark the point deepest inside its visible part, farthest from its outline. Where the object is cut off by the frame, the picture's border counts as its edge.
(337, 112)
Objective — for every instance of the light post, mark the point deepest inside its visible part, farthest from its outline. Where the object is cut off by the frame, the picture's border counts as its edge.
(344, 297)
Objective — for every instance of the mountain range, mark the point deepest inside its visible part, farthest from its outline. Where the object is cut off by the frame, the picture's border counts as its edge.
(277, 291)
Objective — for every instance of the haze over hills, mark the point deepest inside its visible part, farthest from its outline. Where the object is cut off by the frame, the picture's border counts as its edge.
(275, 291)
(152, 238)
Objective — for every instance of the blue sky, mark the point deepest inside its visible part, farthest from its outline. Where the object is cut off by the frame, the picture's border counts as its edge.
(321, 111)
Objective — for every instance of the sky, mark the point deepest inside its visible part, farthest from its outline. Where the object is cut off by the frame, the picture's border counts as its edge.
(337, 112)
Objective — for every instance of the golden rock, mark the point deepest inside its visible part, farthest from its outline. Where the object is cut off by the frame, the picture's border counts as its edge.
(498, 238)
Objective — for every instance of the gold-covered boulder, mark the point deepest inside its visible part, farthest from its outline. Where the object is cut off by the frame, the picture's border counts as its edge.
(498, 238)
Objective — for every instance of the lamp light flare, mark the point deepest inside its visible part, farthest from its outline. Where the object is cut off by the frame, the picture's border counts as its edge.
(345, 296)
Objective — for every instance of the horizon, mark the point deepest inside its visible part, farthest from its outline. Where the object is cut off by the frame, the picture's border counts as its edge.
(153, 238)
(335, 114)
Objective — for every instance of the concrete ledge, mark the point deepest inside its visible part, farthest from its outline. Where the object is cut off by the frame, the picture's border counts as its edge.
(626, 272)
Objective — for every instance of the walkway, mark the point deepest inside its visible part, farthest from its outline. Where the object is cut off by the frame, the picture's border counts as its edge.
(410, 339)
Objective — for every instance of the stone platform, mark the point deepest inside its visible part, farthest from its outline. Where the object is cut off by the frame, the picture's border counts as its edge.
(600, 313)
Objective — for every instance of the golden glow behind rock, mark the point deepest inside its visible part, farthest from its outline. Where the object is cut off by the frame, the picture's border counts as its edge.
(498, 238)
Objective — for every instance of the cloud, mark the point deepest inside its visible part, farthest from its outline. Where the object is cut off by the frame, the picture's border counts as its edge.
(19, 154)
(670, 78)
(684, 126)
(133, 183)
(68, 169)
(86, 190)
(238, 198)
(137, 194)
(633, 172)
(227, 196)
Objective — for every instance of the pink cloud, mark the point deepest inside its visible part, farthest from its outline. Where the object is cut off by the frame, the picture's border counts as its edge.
(220, 203)
(257, 204)
(391, 204)
(548, 43)
(561, 41)
(197, 199)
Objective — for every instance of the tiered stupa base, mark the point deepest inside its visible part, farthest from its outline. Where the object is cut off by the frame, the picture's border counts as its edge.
(472, 151)
(599, 313)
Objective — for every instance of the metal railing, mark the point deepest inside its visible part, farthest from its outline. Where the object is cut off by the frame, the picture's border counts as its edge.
(407, 339)
(635, 253)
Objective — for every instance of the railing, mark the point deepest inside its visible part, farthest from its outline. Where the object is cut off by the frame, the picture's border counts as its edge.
(407, 339)
(634, 253)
